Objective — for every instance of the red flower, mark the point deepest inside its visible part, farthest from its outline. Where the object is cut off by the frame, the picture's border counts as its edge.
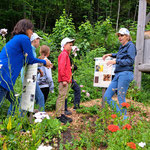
(125, 105)
(113, 128)
(113, 116)
(127, 126)
(131, 145)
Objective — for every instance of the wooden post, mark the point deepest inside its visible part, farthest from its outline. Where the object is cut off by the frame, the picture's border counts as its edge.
(103, 101)
(140, 40)
(31, 118)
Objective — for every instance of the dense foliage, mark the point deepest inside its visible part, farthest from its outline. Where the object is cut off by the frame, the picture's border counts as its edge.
(44, 13)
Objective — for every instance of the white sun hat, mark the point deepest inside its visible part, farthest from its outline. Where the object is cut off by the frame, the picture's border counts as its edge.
(65, 41)
(123, 31)
(35, 36)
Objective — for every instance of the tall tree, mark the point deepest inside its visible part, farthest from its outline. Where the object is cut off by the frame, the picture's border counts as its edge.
(118, 15)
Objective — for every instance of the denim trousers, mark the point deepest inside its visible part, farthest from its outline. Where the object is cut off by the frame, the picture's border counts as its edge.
(119, 84)
(77, 94)
(4, 94)
(39, 98)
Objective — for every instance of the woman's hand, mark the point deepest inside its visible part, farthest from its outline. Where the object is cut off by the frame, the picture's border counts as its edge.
(111, 62)
(48, 63)
(106, 55)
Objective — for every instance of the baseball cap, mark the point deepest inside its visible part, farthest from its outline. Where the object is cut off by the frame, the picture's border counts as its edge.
(35, 36)
(123, 31)
(65, 41)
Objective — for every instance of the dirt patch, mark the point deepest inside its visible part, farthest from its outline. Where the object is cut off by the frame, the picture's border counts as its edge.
(80, 121)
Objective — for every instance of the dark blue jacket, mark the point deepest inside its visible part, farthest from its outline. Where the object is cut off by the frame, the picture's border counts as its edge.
(125, 57)
(12, 59)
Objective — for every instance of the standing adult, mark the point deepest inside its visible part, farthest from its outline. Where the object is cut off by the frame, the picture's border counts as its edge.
(123, 71)
(13, 56)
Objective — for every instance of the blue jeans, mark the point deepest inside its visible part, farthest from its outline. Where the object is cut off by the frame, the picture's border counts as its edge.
(11, 97)
(39, 98)
(120, 83)
(77, 94)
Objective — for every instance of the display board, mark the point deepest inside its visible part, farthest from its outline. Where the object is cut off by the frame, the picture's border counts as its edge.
(103, 73)
(29, 85)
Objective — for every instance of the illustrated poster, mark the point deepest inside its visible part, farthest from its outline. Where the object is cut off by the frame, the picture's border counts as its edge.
(103, 73)
(29, 85)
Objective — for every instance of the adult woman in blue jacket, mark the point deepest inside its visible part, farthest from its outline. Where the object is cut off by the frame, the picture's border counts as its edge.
(13, 56)
(123, 71)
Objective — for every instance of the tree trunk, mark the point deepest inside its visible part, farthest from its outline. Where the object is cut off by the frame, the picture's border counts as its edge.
(118, 15)
(135, 14)
(44, 27)
(110, 8)
(97, 9)
(24, 9)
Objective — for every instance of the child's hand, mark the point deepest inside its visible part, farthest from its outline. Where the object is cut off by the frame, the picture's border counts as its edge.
(51, 65)
(41, 73)
(64, 83)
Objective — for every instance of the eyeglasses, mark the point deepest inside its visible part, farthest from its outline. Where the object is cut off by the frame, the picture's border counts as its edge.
(121, 35)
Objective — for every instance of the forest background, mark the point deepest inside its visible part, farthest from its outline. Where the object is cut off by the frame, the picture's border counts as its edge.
(45, 12)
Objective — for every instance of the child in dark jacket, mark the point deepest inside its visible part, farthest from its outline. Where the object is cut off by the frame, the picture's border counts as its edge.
(77, 92)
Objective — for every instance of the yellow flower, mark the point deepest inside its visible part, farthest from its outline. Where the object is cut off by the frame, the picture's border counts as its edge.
(4, 146)
(9, 126)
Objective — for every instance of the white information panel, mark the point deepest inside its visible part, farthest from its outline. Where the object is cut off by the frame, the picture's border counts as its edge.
(103, 73)
(29, 85)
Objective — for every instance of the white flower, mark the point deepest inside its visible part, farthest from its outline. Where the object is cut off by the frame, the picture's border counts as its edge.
(37, 120)
(75, 54)
(1, 66)
(142, 144)
(81, 85)
(41, 115)
(3, 32)
(52, 91)
(16, 95)
(42, 147)
(74, 50)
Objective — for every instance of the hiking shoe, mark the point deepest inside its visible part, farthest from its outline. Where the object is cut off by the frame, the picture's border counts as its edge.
(76, 107)
(67, 112)
(62, 119)
(66, 118)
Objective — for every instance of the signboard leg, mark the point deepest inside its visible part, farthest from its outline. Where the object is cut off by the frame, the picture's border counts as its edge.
(103, 101)
(31, 118)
